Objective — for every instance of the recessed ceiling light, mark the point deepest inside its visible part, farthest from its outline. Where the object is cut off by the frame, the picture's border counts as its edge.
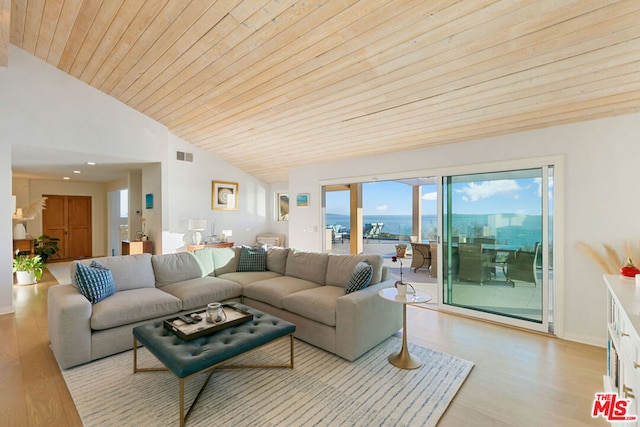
(66, 177)
(91, 163)
(77, 172)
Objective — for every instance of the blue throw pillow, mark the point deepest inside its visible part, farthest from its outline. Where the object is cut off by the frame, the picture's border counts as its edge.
(252, 259)
(360, 277)
(95, 282)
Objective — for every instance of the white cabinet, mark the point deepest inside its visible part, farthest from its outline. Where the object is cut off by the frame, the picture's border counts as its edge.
(623, 355)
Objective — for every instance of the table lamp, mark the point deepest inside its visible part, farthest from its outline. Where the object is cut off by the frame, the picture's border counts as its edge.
(19, 231)
(196, 226)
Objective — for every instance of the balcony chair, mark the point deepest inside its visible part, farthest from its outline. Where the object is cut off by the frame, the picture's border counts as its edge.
(522, 265)
(372, 231)
(336, 234)
(474, 264)
(421, 256)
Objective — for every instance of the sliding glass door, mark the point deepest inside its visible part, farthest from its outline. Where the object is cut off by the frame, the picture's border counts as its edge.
(496, 241)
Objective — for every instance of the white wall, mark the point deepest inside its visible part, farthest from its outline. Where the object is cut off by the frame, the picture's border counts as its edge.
(6, 229)
(601, 202)
(189, 196)
(151, 184)
(41, 106)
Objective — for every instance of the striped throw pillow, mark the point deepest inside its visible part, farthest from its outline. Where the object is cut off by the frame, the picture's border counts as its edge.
(252, 259)
(360, 277)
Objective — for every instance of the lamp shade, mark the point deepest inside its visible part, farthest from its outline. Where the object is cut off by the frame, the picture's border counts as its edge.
(197, 224)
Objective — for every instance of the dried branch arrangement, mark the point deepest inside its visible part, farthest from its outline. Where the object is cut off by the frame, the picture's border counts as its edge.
(611, 261)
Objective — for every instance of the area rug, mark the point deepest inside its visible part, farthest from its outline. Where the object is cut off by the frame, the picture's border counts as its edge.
(322, 390)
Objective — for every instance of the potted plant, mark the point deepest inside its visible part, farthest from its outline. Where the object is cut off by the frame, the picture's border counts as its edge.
(28, 270)
(46, 247)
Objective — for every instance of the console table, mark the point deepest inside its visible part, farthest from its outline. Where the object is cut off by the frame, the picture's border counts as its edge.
(136, 247)
(210, 245)
(23, 245)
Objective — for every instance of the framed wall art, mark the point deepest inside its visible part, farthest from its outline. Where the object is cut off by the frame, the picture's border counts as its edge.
(282, 203)
(148, 199)
(224, 195)
(302, 200)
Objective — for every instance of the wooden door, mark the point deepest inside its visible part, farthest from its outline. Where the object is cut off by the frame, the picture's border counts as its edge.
(69, 219)
(54, 219)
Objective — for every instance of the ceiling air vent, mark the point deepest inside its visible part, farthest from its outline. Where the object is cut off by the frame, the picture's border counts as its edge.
(184, 157)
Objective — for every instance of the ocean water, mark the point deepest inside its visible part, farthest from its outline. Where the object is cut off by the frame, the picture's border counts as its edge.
(393, 224)
(509, 229)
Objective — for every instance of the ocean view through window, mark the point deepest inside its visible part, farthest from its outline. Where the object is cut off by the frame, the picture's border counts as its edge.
(491, 236)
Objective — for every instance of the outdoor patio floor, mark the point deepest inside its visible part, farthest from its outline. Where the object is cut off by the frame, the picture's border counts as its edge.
(524, 299)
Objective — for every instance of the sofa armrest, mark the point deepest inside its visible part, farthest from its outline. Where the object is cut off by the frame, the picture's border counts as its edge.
(364, 319)
(69, 325)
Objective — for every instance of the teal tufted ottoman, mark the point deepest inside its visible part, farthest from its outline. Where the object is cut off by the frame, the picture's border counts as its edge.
(189, 358)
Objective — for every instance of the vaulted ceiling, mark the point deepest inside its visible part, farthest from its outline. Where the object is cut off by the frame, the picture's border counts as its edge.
(268, 85)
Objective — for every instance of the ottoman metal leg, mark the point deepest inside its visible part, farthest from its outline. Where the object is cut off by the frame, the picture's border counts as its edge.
(185, 415)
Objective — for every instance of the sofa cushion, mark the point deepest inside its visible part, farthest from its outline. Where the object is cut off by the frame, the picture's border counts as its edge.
(197, 293)
(339, 268)
(134, 305)
(252, 259)
(271, 291)
(129, 271)
(225, 260)
(246, 277)
(317, 304)
(360, 277)
(95, 282)
(309, 266)
(277, 259)
(177, 267)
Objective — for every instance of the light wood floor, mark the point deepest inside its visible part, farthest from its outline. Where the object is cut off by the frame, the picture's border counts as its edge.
(519, 378)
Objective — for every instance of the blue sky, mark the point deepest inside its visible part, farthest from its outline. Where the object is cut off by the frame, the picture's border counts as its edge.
(392, 198)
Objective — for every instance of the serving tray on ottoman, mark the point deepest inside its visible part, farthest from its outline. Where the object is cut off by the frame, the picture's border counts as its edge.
(235, 316)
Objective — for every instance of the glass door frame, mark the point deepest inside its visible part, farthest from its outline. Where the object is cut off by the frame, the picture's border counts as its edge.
(558, 243)
(558, 227)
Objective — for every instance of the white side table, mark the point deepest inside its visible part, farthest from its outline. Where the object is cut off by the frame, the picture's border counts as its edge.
(403, 359)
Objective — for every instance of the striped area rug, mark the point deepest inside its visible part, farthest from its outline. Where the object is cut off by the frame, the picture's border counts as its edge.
(322, 390)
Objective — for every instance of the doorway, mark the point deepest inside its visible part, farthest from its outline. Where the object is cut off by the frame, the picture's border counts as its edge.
(69, 219)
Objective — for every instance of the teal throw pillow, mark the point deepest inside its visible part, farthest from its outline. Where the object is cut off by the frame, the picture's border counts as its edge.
(95, 281)
(252, 259)
(360, 277)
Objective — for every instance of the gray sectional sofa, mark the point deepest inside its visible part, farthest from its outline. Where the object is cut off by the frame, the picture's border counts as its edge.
(302, 287)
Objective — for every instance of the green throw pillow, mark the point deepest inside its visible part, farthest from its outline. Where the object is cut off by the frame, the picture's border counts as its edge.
(252, 259)
(95, 282)
(360, 277)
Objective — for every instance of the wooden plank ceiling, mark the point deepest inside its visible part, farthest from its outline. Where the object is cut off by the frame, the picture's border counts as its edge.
(268, 85)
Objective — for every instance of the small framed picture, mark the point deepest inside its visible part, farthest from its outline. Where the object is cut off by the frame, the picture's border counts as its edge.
(302, 200)
(224, 195)
(282, 201)
(148, 201)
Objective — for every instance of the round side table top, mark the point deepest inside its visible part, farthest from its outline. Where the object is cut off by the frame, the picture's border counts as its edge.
(417, 298)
